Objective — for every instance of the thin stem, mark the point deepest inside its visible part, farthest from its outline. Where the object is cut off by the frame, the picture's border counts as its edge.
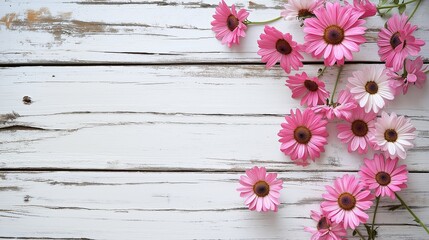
(322, 72)
(377, 201)
(414, 11)
(360, 234)
(396, 5)
(417, 219)
(263, 22)
(336, 84)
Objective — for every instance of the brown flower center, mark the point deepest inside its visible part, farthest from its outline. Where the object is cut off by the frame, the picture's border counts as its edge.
(395, 40)
(311, 85)
(302, 134)
(322, 224)
(283, 47)
(346, 201)
(371, 87)
(383, 178)
(359, 128)
(333, 35)
(390, 135)
(232, 22)
(304, 13)
(261, 188)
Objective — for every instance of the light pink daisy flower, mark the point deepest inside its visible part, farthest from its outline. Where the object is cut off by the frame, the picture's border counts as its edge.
(370, 88)
(346, 201)
(342, 109)
(228, 24)
(311, 90)
(300, 9)
(414, 74)
(303, 135)
(275, 46)
(393, 135)
(368, 8)
(334, 33)
(384, 176)
(357, 131)
(396, 42)
(325, 228)
(260, 189)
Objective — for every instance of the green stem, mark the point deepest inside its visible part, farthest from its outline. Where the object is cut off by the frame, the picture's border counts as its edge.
(360, 234)
(377, 201)
(322, 72)
(396, 5)
(336, 84)
(263, 22)
(417, 219)
(427, 71)
(414, 11)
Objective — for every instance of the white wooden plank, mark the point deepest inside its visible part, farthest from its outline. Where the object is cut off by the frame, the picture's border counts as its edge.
(145, 32)
(167, 118)
(175, 206)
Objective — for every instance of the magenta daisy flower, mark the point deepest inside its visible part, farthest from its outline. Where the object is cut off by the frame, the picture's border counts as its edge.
(357, 131)
(393, 135)
(334, 33)
(260, 189)
(397, 42)
(347, 201)
(325, 228)
(342, 109)
(370, 87)
(384, 176)
(275, 46)
(301, 9)
(311, 90)
(367, 8)
(303, 135)
(228, 24)
(414, 74)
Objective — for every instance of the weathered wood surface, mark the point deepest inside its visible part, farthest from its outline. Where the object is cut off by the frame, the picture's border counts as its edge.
(174, 206)
(168, 118)
(86, 31)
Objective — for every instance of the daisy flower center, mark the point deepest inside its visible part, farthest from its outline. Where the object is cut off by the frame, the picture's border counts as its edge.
(232, 22)
(322, 224)
(346, 201)
(383, 178)
(304, 13)
(333, 35)
(283, 47)
(395, 40)
(261, 188)
(390, 135)
(311, 85)
(371, 87)
(359, 128)
(302, 134)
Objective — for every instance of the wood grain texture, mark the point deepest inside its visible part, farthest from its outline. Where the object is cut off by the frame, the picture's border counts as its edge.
(161, 32)
(175, 206)
(168, 118)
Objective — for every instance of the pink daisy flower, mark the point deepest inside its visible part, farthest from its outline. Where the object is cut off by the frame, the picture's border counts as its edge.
(342, 109)
(311, 90)
(334, 33)
(393, 135)
(260, 189)
(367, 8)
(275, 46)
(303, 135)
(301, 9)
(228, 24)
(414, 74)
(357, 131)
(370, 88)
(384, 176)
(347, 201)
(397, 42)
(325, 228)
